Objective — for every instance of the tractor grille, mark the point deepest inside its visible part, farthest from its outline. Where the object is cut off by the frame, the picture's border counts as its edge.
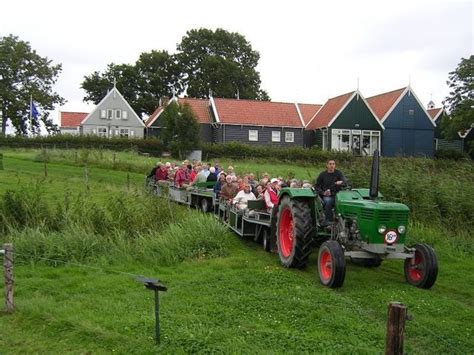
(367, 214)
(384, 216)
(389, 216)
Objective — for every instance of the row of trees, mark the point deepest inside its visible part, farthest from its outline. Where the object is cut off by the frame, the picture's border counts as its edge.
(218, 62)
(206, 61)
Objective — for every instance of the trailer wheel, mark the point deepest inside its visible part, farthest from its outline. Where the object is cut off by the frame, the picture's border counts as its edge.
(331, 264)
(204, 204)
(422, 270)
(294, 226)
(266, 239)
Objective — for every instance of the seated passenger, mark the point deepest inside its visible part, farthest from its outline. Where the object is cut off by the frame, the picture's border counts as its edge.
(229, 190)
(271, 194)
(259, 192)
(218, 185)
(152, 173)
(241, 199)
(180, 177)
(201, 175)
(161, 173)
(212, 174)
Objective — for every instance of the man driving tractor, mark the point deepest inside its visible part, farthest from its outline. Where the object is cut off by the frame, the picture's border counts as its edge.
(328, 183)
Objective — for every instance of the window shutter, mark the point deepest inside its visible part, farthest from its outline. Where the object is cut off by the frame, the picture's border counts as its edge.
(124, 115)
(103, 114)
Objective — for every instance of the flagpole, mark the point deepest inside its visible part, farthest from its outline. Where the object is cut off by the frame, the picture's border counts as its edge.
(31, 113)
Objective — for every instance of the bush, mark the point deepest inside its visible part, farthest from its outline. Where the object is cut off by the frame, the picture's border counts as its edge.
(234, 150)
(450, 154)
(151, 145)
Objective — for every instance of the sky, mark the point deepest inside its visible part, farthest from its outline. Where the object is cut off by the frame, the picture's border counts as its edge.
(309, 50)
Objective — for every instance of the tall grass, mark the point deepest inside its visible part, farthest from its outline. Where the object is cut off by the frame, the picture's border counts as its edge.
(127, 227)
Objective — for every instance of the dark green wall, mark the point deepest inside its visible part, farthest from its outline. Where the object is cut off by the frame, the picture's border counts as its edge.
(357, 113)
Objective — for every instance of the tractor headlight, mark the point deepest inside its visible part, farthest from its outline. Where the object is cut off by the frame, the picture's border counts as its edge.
(401, 229)
(382, 229)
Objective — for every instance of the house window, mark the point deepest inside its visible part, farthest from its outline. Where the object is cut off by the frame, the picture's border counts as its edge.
(124, 115)
(102, 131)
(110, 114)
(124, 132)
(411, 112)
(289, 137)
(118, 114)
(253, 135)
(340, 139)
(103, 114)
(276, 136)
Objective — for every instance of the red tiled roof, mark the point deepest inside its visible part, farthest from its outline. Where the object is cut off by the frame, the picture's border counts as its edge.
(329, 110)
(200, 108)
(434, 112)
(71, 119)
(152, 117)
(308, 111)
(380, 104)
(261, 113)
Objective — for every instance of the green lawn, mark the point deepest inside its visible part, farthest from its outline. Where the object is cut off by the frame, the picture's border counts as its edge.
(243, 302)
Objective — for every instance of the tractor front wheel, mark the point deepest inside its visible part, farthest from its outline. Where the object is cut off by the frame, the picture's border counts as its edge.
(294, 226)
(331, 264)
(422, 270)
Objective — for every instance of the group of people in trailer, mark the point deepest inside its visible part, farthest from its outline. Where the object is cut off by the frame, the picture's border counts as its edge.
(239, 189)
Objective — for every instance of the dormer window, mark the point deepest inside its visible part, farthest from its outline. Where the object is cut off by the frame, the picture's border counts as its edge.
(118, 114)
(110, 114)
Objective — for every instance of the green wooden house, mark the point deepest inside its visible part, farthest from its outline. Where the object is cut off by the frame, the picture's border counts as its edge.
(346, 123)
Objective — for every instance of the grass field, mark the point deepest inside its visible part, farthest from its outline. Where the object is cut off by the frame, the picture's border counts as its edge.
(225, 294)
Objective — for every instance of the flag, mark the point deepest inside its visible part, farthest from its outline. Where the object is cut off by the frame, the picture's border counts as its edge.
(34, 111)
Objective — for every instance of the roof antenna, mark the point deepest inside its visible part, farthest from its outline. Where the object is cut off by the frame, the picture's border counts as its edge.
(210, 92)
(238, 94)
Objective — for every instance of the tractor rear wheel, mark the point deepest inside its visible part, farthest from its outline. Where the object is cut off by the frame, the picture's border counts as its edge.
(266, 239)
(294, 227)
(331, 264)
(422, 270)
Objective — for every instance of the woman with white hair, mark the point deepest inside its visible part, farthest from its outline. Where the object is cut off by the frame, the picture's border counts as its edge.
(243, 196)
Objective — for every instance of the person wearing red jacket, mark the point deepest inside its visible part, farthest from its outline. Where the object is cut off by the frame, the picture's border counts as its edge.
(271, 194)
(180, 179)
(161, 173)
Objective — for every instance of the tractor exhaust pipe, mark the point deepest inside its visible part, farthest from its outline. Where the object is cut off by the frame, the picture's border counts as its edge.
(374, 177)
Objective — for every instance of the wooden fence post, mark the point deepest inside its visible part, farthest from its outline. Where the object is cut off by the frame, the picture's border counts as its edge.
(397, 314)
(8, 270)
(1, 161)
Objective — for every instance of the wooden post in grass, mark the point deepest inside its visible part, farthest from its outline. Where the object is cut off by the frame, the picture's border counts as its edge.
(1, 161)
(8, 271)
(397, 314)
(128, 181)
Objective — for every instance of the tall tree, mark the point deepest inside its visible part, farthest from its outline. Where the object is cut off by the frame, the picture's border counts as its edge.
(180, 132)
(153, 75)
(460, 102)
(220, 62)
(24, 74)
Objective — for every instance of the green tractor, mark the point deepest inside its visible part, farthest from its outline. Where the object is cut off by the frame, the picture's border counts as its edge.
(366, 230)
